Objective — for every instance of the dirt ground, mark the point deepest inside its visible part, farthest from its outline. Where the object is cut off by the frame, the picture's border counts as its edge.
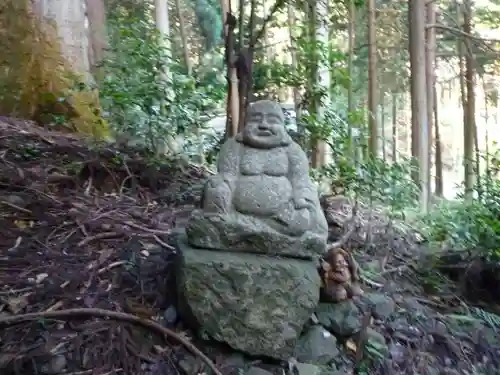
(86, 270)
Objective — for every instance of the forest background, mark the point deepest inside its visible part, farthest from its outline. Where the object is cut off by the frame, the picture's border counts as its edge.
(396, 102)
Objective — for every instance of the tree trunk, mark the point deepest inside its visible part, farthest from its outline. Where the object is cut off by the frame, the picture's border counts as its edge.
(420, 126)
(372, 80)
(382, 126)
(323, 74)
(439, 153)
(470, 123)
(497, 117)
(182, 27)
(163, 24)
(350, 66)
(69, 16)
(430, 72)
(98, 36)
(296, 92)
(313, 105)
(267, 44)
(394, 128)
(486, 138)
(233, 102)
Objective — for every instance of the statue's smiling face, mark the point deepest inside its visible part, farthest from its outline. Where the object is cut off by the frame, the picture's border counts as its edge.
(340, 262)
(265, 125)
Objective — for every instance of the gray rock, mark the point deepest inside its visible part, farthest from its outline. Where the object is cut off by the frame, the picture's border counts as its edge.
(343, 319)
(234, 361)
(240, 233)
(376, 341)
(55, 366)
(397, 352)
(309, 369)
(382, 305)
(254, 303)
(170, 315)
(262, 199)
(317, 346)
(254, 370)
(190, 365)
(346, 318)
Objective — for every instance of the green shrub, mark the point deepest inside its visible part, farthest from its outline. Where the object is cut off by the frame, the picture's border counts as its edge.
(469, 225)
(143, 102)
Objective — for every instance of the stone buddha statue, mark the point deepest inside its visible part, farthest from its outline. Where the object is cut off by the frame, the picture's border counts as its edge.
(261, 199)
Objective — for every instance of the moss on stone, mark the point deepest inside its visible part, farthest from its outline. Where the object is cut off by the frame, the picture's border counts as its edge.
(36, 81)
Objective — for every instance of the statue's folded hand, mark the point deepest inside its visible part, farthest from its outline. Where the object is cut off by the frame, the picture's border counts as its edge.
(220, 181)
(302, 203)
(295, 220)
(285, 215)
(301, 220)
(217, 195)
(229, 181)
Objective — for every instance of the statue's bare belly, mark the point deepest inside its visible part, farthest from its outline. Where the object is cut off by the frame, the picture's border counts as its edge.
(261, 195)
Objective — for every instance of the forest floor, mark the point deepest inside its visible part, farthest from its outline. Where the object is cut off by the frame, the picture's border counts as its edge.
(86, 271)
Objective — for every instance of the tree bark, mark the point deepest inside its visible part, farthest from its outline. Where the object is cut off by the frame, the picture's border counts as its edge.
(373, 145)
(182, 27)
(420, 126)
(163, 23)
(470, 112)
(430, 72)
(293, 52)
(439, 153)
(98, 36)
(323, 74)
(382, 126)
(233, 102)
(69, 17)
(350, 66)
(313, 105)
(394, 128)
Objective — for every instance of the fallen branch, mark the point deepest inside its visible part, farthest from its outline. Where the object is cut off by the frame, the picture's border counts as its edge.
(16, 207)
(101, 313)
(99, 236)
(149, 230)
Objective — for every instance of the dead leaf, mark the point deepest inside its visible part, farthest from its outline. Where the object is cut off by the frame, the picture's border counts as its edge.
(351, 345)
(148, 245)
(17, 243)
(21, 224)
(40, 277)
(16, 304)
(105, 254)
(160, 349)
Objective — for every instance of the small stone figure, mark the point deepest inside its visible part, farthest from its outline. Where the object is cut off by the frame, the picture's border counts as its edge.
(262, 196)
(340, 275)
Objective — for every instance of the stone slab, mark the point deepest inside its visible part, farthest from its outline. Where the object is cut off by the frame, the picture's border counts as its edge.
(254, 303)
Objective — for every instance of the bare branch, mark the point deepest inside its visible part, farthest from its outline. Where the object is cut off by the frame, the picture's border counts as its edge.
(460, 32)
(275, 8)
(490, 55)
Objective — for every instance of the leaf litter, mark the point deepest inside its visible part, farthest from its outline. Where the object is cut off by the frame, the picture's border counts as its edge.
(86, 256)
(86, 269)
